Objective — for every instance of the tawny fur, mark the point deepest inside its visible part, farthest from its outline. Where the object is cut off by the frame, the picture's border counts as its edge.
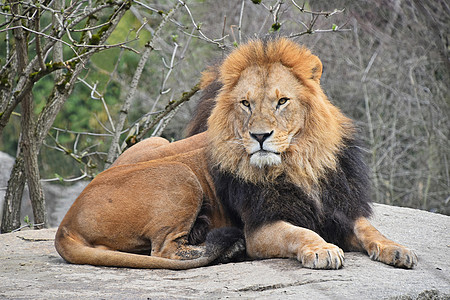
(271, 132)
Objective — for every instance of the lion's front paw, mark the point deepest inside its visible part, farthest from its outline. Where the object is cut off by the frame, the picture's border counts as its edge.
(324, 256)
(393, 254)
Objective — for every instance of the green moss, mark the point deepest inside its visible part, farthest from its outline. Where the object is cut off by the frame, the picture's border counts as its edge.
(73, 63)
(33, 75)
(50, 67)
(53, 66)
(95, 39)
(102, 30)
(62, 86)
(4, 83)
(276, 26)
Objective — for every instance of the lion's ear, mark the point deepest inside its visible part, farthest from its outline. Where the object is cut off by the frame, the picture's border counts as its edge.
(316, 68)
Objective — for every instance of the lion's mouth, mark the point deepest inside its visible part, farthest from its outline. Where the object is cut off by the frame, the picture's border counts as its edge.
(263, 152)
(263, 158)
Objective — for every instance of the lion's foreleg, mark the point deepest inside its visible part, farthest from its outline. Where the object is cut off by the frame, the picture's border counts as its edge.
(282, 239)
(380, 248)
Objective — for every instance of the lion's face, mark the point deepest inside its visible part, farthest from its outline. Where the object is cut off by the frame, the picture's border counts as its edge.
(271, 116)
(268, 113)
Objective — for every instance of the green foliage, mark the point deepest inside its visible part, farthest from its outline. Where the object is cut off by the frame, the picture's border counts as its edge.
(275, 27)
(27, 221)
(126, 30)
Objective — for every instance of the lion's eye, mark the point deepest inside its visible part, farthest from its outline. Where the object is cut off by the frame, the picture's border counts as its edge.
(245, 103)
(282, 101)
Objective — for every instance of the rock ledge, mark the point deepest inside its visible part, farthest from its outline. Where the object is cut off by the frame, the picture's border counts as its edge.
(30, 268)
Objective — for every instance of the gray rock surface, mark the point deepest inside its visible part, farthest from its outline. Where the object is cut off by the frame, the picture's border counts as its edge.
(30, 268)
(6, 163)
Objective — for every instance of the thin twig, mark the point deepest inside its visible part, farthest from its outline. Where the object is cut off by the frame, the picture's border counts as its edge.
(198, 28)
(321, 13)
(39, 33)
(80, 132)
(240, 22)
(114, 147)
(65, 179)
(171, 106)
(100, 97)
(25, 226)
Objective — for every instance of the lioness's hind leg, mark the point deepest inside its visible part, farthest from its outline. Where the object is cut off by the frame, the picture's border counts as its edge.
(380, 248)
(282, 239)
(185, 251)
(225, 244)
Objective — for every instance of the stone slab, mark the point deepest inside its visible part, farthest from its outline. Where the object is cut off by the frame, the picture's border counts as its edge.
(30, 268)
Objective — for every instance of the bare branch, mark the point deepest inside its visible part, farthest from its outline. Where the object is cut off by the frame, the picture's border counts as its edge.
(321, 13)
(186, 96)
(240, 21)
(198, 28)
(115, 148)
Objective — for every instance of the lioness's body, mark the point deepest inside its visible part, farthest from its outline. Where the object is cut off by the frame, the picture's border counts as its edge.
(116, 212)
(278, 161)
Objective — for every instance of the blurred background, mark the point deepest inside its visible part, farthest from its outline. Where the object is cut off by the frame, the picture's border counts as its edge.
(102, 75)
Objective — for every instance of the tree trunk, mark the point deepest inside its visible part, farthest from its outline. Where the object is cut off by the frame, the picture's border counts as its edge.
(13, 196)
(30, 154)
(16, 183)
(33, 131)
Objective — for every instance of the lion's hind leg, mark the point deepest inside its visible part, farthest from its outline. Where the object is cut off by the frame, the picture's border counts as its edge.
(282, 239)
(380, 248)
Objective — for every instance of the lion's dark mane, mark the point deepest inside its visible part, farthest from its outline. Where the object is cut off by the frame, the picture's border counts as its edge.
(204, 107)
(344, 195)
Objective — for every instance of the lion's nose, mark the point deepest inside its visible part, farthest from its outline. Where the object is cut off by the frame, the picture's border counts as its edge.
(261, 137)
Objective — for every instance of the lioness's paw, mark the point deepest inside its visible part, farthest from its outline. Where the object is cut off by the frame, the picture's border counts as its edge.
(324, 256)
(393, 254)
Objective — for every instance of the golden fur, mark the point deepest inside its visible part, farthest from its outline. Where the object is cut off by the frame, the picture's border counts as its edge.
(316, 139)
(271, 120)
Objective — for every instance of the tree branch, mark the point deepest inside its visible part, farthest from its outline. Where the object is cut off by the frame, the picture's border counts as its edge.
(114, 147)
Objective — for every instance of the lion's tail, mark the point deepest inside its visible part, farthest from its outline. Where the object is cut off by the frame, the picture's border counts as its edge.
(222, 245)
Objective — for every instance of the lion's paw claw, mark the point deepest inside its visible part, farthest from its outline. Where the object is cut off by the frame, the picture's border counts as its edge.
(326, 256)
(394, 255)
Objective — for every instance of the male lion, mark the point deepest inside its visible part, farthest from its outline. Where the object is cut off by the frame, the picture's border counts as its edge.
(277, 162)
